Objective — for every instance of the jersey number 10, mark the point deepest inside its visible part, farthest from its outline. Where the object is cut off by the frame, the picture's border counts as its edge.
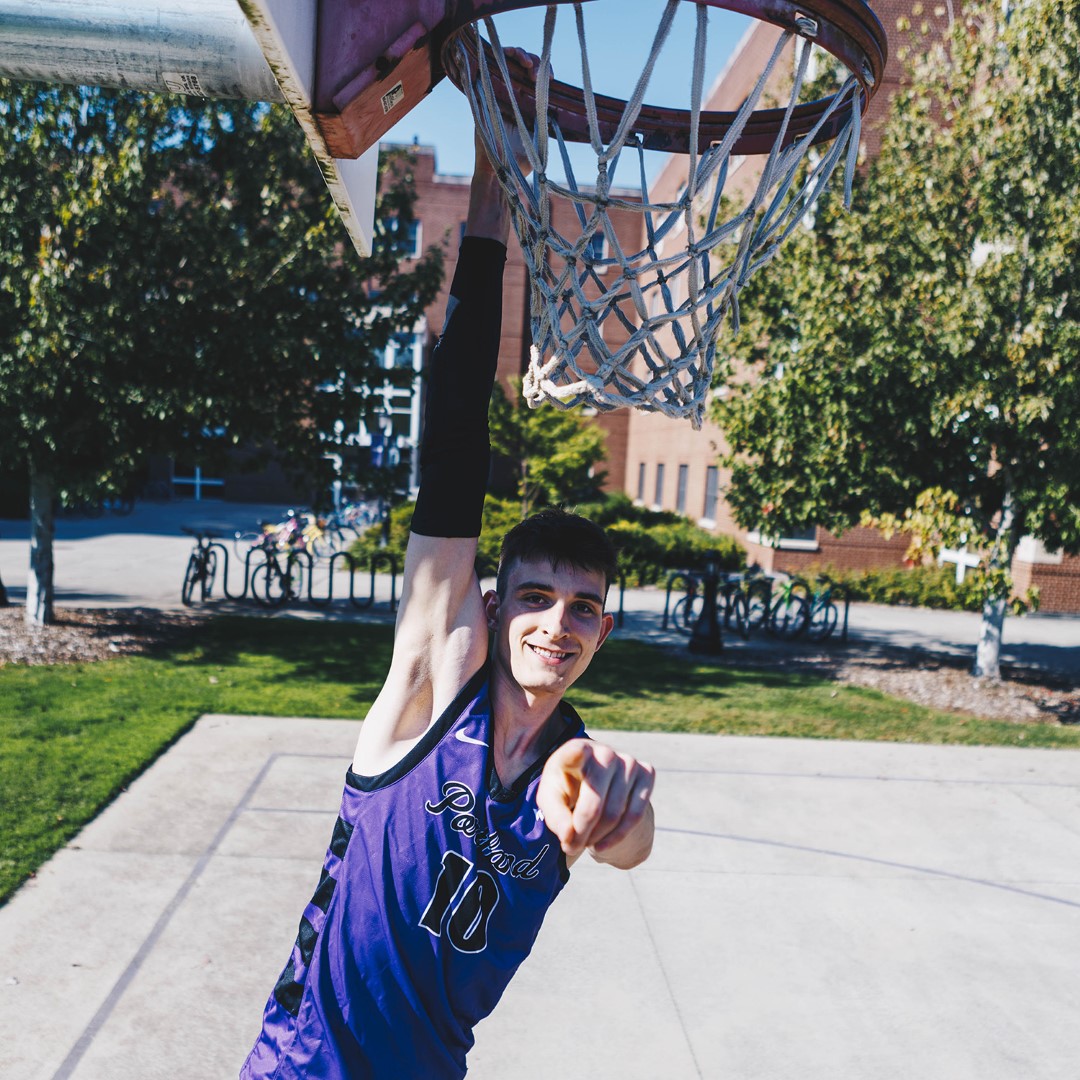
(466, 927)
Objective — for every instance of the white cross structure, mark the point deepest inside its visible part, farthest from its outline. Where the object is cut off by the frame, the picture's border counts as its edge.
(963, 558)
(199, 482)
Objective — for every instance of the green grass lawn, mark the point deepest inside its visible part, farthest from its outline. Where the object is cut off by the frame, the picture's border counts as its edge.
(73, 735)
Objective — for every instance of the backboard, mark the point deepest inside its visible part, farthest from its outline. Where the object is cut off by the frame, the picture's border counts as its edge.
(287, 33)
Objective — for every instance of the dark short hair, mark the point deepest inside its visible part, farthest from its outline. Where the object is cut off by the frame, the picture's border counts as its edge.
(564, 539)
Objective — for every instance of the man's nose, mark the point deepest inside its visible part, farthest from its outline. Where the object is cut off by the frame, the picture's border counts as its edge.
(558, 616)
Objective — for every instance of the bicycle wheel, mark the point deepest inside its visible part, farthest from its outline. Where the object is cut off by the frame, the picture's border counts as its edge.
(823, 619)
(209, 573)
(324, 544)
(789, 617)
(738, 612)
(757, 607)
(685, 613)
(191, 576)
(243, 542)
(294, 579)
(268, 584)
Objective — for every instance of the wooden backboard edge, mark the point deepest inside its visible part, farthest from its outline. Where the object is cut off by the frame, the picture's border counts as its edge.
(289, 47)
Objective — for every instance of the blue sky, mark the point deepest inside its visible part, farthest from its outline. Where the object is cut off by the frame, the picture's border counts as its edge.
(619, 34)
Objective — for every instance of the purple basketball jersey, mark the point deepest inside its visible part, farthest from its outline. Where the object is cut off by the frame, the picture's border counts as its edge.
(433, 890)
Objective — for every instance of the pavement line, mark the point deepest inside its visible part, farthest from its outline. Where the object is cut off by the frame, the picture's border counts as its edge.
(663, 971)
(98, 1020)
(990, 782)
(928, 870)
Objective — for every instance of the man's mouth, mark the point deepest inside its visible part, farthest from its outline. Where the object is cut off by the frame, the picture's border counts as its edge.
(550, 656)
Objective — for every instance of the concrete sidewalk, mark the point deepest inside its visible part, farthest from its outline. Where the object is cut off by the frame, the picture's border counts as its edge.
(812, 910)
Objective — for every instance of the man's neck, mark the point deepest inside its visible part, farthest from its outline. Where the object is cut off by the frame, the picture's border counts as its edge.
(524, 725)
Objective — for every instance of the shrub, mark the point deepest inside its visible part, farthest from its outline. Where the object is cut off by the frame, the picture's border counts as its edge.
(650, 543)
(920, 586)
(648, 553)
(500, 516)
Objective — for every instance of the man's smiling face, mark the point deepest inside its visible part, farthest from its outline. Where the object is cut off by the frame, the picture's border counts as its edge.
(549, 624)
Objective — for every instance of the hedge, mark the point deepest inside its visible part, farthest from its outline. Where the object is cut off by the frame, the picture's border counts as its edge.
(650, 543)
(920, 586)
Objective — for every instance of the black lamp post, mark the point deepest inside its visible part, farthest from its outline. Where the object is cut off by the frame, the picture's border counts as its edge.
(706, 637)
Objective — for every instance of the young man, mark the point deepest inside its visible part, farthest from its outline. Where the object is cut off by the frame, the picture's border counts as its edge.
(473, 788)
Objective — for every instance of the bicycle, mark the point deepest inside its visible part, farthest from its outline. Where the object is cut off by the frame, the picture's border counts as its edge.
(687, 609)
(318, 538)
(271, 583)
(789, 615)
(757, 588)
(824, 614)
(202, 566)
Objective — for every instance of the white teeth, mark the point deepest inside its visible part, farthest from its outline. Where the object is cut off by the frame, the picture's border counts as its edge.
(549, 652)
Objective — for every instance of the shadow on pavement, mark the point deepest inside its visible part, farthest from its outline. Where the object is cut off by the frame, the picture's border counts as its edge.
(155, 519)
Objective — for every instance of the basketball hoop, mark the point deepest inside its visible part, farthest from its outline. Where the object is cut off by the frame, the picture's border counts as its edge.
(664, 359)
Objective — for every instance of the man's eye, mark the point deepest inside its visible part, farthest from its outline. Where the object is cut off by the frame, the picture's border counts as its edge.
(586, 609)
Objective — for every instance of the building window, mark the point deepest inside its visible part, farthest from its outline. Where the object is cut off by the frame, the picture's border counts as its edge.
(407, 236)
(658, 502)
(712, 489)
(680, 491)
(804, 539)
(596, 251)
(404, 351)
(641, 482)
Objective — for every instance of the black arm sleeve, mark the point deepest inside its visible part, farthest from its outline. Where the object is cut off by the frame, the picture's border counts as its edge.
(455, 452)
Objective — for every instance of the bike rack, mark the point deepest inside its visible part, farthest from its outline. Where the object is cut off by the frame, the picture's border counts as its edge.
(381, 560)
(391, 562)
(243, 594)
(323, 601)
(378, 558)
(847, 607)
(293, 558)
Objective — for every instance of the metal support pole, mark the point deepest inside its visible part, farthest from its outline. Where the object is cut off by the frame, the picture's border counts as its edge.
(706, 638)
(201, 47)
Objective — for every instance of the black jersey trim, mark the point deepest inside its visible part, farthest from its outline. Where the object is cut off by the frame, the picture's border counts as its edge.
(431, 738)
(564, 867)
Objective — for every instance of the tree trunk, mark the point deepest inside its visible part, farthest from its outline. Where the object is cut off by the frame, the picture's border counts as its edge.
(3, 594)
(39, 583)
(988, 652)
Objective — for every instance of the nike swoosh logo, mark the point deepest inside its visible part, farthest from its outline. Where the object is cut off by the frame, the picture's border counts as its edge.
(462, 737)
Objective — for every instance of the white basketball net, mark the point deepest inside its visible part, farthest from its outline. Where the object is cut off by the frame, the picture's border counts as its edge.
(667, 331)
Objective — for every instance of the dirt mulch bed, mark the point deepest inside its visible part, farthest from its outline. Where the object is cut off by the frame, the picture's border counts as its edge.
(1021, 696)
(88, 635)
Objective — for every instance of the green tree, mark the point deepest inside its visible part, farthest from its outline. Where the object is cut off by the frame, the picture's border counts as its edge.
(174, 278)
(914, 362)
(553, 452)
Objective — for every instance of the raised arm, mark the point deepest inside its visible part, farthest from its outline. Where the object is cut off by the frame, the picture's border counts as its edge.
(441, 636)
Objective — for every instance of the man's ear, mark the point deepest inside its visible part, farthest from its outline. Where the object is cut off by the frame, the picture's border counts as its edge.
(607, 624)
(491, 608)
